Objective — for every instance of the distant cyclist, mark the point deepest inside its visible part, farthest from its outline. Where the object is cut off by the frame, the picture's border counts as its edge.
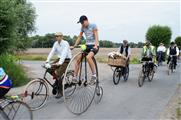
(173, 50)
(5, 83)
(148, 53)
(92, 46)
(125, 50)
(161, 53)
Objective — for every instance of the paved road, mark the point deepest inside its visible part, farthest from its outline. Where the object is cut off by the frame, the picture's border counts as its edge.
(124, 101)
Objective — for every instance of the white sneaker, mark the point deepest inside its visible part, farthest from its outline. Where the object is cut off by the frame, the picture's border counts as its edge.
(93, 79)
(75, 80)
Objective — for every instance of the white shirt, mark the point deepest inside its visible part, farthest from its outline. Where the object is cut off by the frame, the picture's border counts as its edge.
(62, 50)
(177, 50)
(161, 48)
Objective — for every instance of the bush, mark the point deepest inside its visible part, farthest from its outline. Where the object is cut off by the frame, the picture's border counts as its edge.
(157, 34)
(178, 41)
(14, 70)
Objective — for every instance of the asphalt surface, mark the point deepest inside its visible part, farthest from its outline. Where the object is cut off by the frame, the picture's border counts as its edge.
(123, 101)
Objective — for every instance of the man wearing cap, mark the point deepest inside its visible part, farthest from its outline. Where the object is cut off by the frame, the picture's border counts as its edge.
(92, 45)
(62, 49)
(173, 51)
(148, 52)
(125, 50)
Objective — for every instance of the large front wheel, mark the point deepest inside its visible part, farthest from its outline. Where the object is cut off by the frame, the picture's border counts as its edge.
(79, 95)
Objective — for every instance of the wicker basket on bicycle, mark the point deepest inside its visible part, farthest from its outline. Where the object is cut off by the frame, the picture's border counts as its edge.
(116, 60)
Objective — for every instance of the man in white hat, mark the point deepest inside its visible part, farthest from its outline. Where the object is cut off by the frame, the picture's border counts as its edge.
(62, 49)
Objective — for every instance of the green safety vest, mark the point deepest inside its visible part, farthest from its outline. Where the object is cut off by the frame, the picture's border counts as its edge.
(152, 50)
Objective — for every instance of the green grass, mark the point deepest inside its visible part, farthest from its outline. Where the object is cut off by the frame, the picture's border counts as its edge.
(178, 112)
(100, 59)
(134, 61)
(14, 70)
(33, 57)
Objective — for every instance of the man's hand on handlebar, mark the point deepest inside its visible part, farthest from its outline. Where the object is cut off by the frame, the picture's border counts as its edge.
(54, 65)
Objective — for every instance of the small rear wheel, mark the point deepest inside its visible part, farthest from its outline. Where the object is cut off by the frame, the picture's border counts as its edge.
(99, 94)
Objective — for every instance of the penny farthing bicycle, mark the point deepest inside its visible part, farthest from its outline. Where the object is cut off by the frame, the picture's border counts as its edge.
(79, 96)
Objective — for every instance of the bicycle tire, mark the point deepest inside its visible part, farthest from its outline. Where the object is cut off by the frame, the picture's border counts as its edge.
(34, 90)
(117, 75)
(83, 96)
(18, 110)
(141, 79)
(151, 75)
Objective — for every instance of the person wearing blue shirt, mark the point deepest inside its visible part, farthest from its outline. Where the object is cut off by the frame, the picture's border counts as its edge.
(5, 83)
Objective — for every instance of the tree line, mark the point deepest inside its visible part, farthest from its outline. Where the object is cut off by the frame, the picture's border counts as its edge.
(47, 41)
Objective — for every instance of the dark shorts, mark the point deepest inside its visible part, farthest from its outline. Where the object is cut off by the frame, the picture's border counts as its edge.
(90, 48)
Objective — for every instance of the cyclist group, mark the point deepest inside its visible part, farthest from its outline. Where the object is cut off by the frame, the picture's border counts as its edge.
(62, 49)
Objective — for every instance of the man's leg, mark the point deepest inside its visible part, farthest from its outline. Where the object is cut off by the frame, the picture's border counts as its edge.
(91, 63)
(175, 61)
(60, 71)
(168, 60)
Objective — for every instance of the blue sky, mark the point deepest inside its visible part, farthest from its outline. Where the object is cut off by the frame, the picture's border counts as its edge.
(116, 20)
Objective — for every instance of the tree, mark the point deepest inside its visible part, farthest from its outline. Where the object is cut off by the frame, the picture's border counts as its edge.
(178, 41)
(157, 34)
(17, 21)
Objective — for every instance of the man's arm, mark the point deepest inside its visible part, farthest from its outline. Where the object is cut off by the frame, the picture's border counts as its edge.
(78, 39)
(177, 51)
(51, 53)
(96, 37)
(129, 52)
(168, 51)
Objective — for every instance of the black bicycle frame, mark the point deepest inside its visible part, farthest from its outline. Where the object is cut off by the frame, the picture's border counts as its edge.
(83, 57)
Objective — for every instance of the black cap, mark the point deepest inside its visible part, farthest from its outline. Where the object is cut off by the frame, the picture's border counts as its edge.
(82, 19)
(172, 43)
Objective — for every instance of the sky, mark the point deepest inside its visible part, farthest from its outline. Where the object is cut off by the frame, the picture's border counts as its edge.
(116, 20)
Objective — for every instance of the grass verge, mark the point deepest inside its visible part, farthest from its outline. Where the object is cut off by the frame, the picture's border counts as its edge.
(15, 71)
(100, 59)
